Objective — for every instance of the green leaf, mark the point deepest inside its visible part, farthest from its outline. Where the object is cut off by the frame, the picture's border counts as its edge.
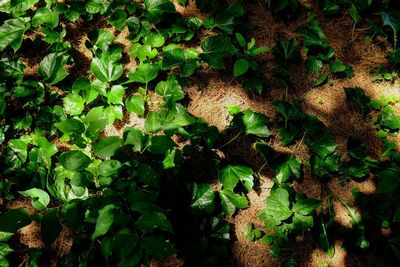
(391, 21)
(157, 8)
(50, 227)
(73, 104)
(230, 201)
(149, 221)
(389, 119)
(240, 39)
(12, 32)
(313, 64)
(13, 219)
(10, 68)
(286, 50)
(142, 52)
(148, 175)
(106, 70)
(152, 124)
(52, 67)
(252, 123)
(45, 16)
(134, 137)
(104, 221)
(305, 205)
(115, 95)
(231, 174)
(71, 127)
(107, 146)
(5, 236)
(20, 149)
(215, 48)
(388, 180)
(337, 66)
(320, 80)
(40, 199)
(109, 167)
(155, 40)
(302, 222)
(170, 90)
(135, 104)
(101, 39)
(5, 250)
(160, 144)
(240, 67)
(289, 168)
(172, 159)
(278, 205)
(323, 167)
(144, 73)
(324, 241)
(251, 233)
(203, 198)
(318, 138)
(118, 19)
(74, 160)
(358, 97)
(95, 128)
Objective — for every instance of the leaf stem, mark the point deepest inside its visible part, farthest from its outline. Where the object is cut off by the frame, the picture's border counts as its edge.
(230, 141)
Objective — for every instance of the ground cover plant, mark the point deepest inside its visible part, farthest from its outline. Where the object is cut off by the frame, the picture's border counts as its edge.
(116, 151)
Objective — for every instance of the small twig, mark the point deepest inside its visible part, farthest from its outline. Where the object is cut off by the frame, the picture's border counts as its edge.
(301, 140)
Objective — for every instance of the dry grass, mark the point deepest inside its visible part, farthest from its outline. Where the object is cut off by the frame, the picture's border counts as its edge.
(208, 100)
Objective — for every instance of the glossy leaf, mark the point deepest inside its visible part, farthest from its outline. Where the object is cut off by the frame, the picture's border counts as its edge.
(232, 174)
(52, 67)
(40, 199)
(278, 205)
(12, 31)
(74, 160)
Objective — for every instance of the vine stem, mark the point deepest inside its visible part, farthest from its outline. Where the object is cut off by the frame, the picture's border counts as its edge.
(230, 141)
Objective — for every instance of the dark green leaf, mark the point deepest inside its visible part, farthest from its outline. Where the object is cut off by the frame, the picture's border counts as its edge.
(13, 219)
(52, 67)
(104, 221)
(50, 226)
(160, 144)
(230, 201)
(203, 198)
(12, 31)
(107, 146)
(74, 160)
(231, 174)
(157, 8)
(252, 123)
(215, 48)
(150, 221)
(304, 205)
(278, 205)
(388, 180)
